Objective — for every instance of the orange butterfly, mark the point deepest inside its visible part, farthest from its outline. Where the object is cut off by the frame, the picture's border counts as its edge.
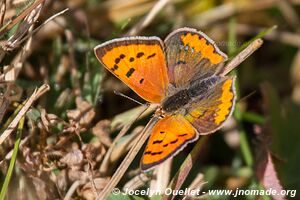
(182, 74)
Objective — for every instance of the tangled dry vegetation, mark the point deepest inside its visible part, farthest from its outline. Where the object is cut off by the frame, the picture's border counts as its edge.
(60, 120)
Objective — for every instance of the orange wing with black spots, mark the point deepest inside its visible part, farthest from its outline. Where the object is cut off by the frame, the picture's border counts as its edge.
(169, 136)
(139, 62)
(191, 55)
(211, 111)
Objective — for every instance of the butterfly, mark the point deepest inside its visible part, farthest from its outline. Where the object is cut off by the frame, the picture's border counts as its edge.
(182, 75)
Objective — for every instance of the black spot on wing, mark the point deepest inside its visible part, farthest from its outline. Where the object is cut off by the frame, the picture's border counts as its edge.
(181, 135)
(117, 60)
(151, 56)
(157, 142)
(140, 54)
(131, 59)
(174, 141)
(142, 80)
(114, 68)
(165, 145)
(162, 132)
(130, 72)
(156, 153)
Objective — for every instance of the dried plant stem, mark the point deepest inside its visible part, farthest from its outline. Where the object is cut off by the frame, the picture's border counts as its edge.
(149, 17)
(20, 17)
(225, 11)
(243, 55)
(36, 94)
(289, 14)
(72, 189)
(104, 166)
(185, 168)
(2, 12)
(42, 25)
(128, 159)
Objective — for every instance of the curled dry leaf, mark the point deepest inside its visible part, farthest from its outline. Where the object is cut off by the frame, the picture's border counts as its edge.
(49, 120)
(94, 152)
(76, 175)
(102, 131)
(87, 190)
(72, 158)
(83, 114)
(62, 181)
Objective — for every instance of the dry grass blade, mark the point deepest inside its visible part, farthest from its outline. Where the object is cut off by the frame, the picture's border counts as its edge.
(72, 189)
(42, 25)
(185, 168)
(36, 94)
(4, 103)
(289, 13)
(162, 176)
(2, 12)
(242, 56)
(150, 16)
(229, 9)
(12, 23)
(139, 142)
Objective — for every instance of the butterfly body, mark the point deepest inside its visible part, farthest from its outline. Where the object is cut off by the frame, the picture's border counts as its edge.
(181, 75)
(181, 100)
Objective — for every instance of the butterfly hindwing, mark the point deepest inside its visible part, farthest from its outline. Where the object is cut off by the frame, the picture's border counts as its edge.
(169, 136)
(209, 112)
(193, 54)
(139, 62)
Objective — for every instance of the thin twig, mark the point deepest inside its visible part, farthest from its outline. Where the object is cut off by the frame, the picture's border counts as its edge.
(243, 55)
(128, 159)
(20, 17)
(36, 94)
(149, 17)
(42, 25)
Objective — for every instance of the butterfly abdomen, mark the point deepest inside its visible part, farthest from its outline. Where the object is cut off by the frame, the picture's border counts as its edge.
(197, 90)
(176, 101)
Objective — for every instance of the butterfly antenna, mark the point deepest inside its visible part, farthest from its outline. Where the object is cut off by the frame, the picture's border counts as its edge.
(247, 96)
(127, 97)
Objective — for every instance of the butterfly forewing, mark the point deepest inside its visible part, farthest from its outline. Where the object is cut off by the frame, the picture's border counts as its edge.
(139, 62)
(168, 137)
(191, 55)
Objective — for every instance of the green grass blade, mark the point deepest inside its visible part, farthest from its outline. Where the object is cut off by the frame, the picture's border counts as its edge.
(13, 159)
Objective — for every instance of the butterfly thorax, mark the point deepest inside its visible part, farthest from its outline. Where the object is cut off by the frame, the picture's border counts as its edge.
(198, 89)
